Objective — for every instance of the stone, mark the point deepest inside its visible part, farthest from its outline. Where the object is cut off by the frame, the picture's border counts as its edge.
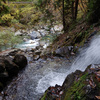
(2, 67)
(11, 67)
(37, 52)
(4, 77)
(18, 33)
(20, 60)
(35, 35)
(62, 51)
(36, 57)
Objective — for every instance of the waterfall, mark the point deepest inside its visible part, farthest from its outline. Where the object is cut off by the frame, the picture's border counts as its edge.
(90, 55)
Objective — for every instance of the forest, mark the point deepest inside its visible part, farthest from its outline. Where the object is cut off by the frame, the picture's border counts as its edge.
(49, 49)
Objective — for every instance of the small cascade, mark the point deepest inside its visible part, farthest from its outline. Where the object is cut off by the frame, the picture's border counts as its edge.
(90, 55)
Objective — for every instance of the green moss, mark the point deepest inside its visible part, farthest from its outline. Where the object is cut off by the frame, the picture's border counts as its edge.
(76, 92)
(44, 96)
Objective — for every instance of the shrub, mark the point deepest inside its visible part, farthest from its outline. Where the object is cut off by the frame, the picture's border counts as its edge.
(15, 12)
(8, 39)
(6, 19)
(3, 8)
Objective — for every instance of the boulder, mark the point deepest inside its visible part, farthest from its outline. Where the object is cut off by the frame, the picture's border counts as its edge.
(18, 33)
(35, 35)
(66, 51)
(77, 86)
(11, 67)
(2, 67)
(6, 64)
(4, 77)
(20, 60)
(62, 51)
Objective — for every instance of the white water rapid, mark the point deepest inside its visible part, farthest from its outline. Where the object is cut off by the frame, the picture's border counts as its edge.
(39, 75)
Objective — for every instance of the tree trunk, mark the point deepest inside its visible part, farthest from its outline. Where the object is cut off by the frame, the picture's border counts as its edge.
(76, 8)
(73, 10)
(63, 15)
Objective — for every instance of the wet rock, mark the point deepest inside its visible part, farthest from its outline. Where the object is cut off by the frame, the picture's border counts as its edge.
(36, 57)
(62, 51)
(77, 86)
(65, 51)
(53, 93)
(2, 67)
(37, 52)
(42, 43)
(11, 67)
(20, 60)
(14, 52)
(4, 77)
(70, 79)
(35, 35)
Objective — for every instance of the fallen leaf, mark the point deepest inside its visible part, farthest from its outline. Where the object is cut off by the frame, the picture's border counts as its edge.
(98, 97)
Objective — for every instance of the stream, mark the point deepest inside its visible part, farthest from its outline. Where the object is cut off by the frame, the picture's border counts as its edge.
(32, 82)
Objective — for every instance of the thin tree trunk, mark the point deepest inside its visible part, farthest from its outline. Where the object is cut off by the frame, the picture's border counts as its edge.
(73, 10)
(76, 8)
(63, 15)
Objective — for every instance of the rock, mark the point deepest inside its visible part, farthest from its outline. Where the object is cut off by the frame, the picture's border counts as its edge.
(62, 51)
(4, 77)
(35, 35)
(14, 52)
(66, 51)
(18, 33)
(42, 43)
(11, 67)
(2, 67)
(77, 86)
(20, 60)
(36, 57)
(37, 52)
(58, 27)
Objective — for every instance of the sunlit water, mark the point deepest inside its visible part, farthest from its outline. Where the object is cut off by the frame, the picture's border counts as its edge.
(39, 75)
(29, 44)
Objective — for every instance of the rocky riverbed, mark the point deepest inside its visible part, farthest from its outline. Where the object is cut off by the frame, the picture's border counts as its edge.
(36, 77)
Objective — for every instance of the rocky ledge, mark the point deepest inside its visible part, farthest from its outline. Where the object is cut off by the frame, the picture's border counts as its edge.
(10, 64)
(77, 86)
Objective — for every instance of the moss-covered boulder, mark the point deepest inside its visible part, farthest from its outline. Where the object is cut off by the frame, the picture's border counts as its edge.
(78, 86)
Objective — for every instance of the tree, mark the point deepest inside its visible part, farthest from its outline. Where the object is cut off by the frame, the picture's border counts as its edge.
(3, 7)
(93, 11)
(8, 39)
(68, 10)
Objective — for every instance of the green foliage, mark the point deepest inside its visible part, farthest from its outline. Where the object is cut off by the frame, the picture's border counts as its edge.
(21, 0)
(8, 39)
(6, 19)
(3, 8)
(50, 37)
(28, 14)
(93, 11)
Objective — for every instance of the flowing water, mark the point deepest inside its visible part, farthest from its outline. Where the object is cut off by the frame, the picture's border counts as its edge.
(39, 75)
